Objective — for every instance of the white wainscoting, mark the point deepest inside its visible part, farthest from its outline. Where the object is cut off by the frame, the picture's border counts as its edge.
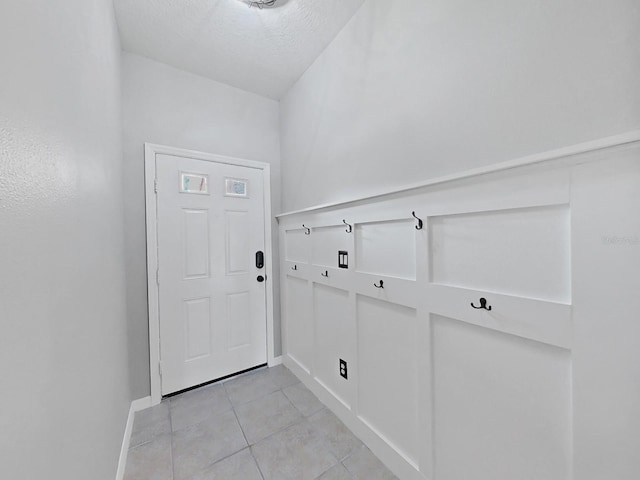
(439, 389)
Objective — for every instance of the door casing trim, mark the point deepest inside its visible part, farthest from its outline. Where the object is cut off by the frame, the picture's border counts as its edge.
(153, 297)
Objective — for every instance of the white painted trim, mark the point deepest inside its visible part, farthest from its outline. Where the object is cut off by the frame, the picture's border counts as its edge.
(152, 266)
(136, 406)
(551, 155)
(124, 450)
(275, 361)
(150, 152)
(208, 157)
(141, 404)
(268, 247)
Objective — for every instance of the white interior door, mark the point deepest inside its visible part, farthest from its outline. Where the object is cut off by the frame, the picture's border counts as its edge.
(210, 226)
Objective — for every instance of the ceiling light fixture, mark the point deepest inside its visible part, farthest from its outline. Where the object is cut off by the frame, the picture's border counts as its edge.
(261, 3)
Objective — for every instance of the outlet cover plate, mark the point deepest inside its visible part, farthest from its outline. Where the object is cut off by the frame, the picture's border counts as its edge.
(343, 369)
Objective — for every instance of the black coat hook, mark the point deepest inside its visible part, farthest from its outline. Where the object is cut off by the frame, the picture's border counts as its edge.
(308, 230)
(350, 229)
(483, 305)
(295, 267)
(419, 226)
(379, 286)
(325, 274)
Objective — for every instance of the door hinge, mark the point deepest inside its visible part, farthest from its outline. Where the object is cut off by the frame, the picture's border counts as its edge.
(157, 276)
(160, 367)
(155, 185)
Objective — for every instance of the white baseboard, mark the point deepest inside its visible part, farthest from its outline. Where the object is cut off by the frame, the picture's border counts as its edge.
(276, 361)
(136, 406)
(141, 404)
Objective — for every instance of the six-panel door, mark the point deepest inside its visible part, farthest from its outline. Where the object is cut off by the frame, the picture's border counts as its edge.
(212, 306)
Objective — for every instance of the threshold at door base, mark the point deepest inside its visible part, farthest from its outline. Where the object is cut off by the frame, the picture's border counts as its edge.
(214, 381)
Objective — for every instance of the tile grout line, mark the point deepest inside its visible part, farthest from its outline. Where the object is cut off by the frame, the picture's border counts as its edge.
(235, 414)
(255, 460)
(338, 462)
(281, 389)
(224, 458)
(231, 454)
(246, 440)
(283, 428)
(173, 471)
(303, 419)
(246, 447)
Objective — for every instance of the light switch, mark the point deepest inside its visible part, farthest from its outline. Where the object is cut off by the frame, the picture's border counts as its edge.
(343, 259)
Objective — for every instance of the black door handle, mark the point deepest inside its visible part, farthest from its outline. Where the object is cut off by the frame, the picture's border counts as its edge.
(260, 278)
(259, 259)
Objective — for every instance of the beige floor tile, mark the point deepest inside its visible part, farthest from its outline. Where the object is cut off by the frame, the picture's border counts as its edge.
(298, 453)
(266, 416)
(150, 461)
(302, 398)
(199, 446)
(240, 466)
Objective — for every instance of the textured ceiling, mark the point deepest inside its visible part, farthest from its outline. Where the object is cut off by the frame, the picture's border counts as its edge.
(260, 50)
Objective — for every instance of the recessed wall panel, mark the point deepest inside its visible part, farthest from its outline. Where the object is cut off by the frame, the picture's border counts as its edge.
(197, 327)
(524, 252)
(195, 224)
(297, 246)
(237, 238)
(502, 405)
(239, 319)
(327, 241)
(299, 322)
(387, 372)
(387, 248)
(334, 339)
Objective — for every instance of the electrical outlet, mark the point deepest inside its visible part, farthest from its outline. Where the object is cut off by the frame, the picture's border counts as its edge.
(343, 369)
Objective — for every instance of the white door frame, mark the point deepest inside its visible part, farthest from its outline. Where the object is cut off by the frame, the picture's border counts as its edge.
(150, 152)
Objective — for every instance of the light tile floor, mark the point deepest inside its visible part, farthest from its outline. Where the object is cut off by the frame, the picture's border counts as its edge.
(263, 425)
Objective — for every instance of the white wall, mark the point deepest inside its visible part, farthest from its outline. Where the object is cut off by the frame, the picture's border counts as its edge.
(171, 107)
(63, 347)
(606, 255)
(414, 89)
